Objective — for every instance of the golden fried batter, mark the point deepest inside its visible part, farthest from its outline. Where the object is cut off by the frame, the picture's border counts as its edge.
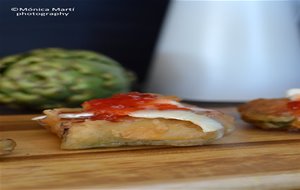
(270, 114)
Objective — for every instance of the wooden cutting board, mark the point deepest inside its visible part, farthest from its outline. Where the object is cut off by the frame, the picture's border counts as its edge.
(248, 158)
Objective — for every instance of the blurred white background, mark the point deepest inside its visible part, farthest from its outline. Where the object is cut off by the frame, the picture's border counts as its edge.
(227, 50)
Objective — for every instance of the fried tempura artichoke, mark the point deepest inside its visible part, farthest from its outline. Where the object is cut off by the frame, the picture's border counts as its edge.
(270, 114)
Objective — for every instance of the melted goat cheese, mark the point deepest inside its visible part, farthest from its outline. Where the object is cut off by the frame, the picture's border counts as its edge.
(293, 94)
(207, 124)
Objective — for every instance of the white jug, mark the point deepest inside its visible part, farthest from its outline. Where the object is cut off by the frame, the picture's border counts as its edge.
(227, 51)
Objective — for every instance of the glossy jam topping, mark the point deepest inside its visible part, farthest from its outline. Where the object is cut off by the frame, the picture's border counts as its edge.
(119, 106)
(294, 106)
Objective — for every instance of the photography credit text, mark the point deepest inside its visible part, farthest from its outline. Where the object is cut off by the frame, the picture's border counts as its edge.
(55, 11)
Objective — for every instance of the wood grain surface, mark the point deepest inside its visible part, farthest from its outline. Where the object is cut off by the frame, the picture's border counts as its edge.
(249, 158)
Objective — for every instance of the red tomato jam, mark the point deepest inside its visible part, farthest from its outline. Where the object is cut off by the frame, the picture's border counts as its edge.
(119, 106)
(294, 106)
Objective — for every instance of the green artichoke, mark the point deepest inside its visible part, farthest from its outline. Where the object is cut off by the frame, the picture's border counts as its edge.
(53, 77)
